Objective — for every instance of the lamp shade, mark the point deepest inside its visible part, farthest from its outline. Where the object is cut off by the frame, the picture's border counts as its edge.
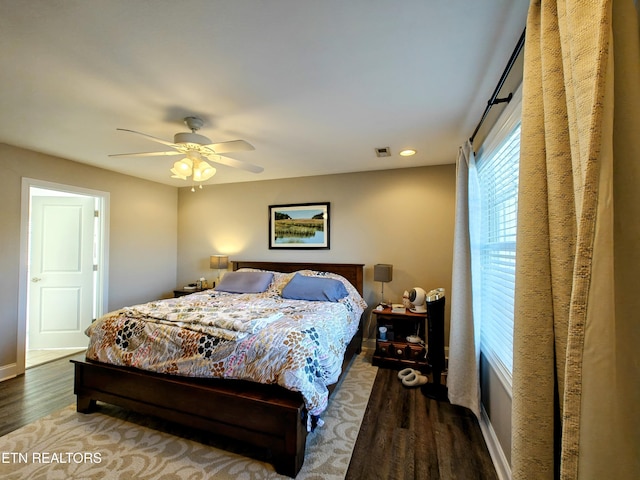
(219, 262)
(382, 272)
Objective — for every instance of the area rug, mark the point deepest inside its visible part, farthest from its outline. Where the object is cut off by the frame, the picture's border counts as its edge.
(115, 443)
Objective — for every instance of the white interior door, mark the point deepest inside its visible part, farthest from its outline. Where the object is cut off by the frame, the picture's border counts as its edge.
(61, 274)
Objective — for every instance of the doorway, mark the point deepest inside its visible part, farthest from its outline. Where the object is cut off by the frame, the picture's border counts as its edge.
(65, 269)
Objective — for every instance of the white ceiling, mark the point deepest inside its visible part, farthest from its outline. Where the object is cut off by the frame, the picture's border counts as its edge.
(314, 85)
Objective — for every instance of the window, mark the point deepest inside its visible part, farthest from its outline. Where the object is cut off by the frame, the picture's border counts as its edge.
(493, 217)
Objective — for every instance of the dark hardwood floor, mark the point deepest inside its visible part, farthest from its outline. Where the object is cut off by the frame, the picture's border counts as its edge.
(404, 435)
(42, 390)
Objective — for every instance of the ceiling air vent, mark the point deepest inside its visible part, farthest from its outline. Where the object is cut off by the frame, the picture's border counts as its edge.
(383, 152)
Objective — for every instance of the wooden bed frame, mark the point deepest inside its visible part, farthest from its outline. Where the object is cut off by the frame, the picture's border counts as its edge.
(266, 416)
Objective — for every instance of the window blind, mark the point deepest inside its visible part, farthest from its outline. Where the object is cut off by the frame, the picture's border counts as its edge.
(495, 198)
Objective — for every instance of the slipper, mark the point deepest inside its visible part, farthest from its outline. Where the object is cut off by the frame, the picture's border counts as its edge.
(414, 380)
(404, 373)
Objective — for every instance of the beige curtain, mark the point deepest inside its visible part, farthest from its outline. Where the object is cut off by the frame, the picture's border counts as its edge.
(576, 370)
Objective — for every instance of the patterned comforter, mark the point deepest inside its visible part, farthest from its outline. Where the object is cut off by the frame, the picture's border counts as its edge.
(260, 337)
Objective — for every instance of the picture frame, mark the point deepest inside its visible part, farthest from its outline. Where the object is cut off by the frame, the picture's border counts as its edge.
(299, 226)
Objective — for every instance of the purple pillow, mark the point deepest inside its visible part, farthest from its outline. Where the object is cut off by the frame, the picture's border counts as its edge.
(301, 287)
(245, 282)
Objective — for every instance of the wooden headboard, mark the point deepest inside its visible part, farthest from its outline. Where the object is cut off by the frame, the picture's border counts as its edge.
(351, 271)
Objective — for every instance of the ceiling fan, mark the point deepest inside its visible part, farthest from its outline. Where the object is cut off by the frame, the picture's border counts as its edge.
(196, 148)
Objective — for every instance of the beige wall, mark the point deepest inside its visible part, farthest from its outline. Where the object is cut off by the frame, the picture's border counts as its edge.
(142, 233)
(403, 217)
(161, 237)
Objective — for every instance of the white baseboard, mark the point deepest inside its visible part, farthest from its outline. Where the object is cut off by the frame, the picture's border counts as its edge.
(503, 469)
(8, 371)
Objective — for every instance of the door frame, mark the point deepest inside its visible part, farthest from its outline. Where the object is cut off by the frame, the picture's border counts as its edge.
(102, 255)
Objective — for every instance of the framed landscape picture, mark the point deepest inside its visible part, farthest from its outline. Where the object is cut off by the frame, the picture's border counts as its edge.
(299, 226)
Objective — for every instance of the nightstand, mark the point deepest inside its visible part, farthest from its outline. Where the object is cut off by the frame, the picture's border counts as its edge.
(395, 351)
(181, 292)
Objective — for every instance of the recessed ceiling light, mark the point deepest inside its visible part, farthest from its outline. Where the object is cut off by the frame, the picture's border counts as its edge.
(408, 152)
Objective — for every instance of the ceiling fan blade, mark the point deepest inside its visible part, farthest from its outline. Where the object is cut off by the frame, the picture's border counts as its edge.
(147, 154)
(155, 139)
(232, 146)
(232, 162)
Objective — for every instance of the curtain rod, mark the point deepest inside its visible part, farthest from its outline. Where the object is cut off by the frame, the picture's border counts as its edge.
(493, 100)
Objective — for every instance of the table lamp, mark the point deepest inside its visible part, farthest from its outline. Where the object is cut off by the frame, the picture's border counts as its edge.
(218, 262)
(383, 273)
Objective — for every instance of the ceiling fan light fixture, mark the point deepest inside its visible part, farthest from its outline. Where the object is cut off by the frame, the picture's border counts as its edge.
(203, 171)
(184, 167)
(196, 148)
(207, 171)
(193, 156)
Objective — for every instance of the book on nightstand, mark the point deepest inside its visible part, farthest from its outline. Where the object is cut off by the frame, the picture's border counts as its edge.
(397, 308)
